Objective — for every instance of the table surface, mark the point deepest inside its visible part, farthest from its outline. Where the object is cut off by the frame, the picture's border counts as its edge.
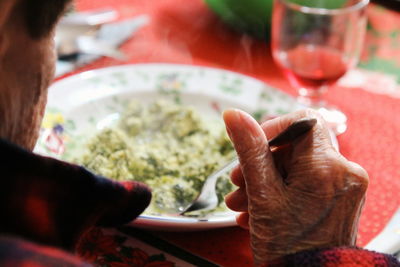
(188, 32)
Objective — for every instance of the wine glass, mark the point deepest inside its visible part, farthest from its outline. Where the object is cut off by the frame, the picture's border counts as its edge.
(316, 42)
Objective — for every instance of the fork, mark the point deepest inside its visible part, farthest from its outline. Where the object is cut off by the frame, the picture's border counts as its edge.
(207, 198)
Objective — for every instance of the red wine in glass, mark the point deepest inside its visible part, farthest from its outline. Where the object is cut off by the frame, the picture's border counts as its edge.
(312, 66)
(316, 43)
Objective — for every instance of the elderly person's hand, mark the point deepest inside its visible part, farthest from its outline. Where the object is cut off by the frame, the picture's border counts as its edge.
(299, 197)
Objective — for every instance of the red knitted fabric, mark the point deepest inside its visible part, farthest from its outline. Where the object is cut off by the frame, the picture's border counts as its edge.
(15, 252)
(53, 202)
(343, 256)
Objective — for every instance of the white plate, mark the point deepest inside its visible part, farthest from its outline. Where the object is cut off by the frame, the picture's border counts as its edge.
(80, 105)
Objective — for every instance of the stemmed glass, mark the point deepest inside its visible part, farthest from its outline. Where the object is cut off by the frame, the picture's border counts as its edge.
(316, 42)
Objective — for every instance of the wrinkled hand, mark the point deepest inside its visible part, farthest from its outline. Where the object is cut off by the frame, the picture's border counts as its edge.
(299, 197)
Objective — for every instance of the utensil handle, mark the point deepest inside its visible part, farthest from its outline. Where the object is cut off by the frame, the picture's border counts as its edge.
(229, 166)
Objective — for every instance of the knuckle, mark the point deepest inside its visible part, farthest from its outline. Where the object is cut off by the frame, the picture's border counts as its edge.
(350, 175)
(255, 155)
(358, 175)
(308, 113)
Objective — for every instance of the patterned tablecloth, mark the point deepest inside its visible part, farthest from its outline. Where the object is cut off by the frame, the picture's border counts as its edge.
(188, 32)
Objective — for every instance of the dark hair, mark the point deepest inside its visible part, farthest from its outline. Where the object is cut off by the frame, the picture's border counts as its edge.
(41, 15)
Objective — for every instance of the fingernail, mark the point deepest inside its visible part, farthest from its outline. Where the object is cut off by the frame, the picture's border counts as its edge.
(231, 118)
(240, 120)
(231, 113)
(250, 122)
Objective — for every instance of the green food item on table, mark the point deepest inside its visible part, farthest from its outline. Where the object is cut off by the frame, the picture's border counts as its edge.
(170, 147)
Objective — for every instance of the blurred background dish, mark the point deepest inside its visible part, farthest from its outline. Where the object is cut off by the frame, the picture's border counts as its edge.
(251, 16)
(254, 16)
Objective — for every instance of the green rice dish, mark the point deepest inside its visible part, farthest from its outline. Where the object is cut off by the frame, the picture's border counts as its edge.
(170, 147)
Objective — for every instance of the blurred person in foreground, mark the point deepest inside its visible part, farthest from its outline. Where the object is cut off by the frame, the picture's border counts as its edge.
(300, 203)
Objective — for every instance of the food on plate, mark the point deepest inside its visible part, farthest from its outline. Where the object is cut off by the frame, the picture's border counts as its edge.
(170, 147)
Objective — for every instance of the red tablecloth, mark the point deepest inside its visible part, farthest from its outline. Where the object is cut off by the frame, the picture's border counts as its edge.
(188, 32)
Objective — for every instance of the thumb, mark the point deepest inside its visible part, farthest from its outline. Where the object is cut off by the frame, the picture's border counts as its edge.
(255, 157)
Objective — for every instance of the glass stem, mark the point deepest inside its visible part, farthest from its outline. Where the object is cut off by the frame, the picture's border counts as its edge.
(312, 97)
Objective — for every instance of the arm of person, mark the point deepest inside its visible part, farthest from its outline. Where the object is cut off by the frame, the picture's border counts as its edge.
(52, 202)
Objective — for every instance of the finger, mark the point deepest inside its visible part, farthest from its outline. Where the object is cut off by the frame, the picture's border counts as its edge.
(242, 220)
(237, 177)
(277, 125)
(237, 200)
(255, 158)
(282, 155)
(316, 141)
(314, 147)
